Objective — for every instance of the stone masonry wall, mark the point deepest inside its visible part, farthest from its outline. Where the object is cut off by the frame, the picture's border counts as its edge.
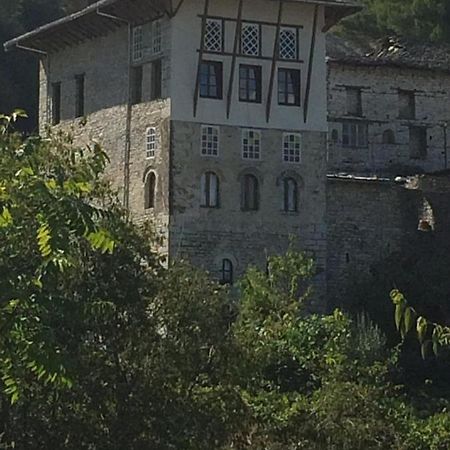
(380, 110)
(207, 236)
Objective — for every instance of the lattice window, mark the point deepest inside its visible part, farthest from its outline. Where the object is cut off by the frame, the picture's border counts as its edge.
(150, 143)
(138, 43)
(292, 148)
(250, 39)
(156, 37)
(288, 43)
(251, 144)
(213, 35)
(210, 141)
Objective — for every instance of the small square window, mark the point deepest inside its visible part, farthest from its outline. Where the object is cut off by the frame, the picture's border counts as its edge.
(288, 43)
(211, 79)
(250, 39)
(292, 148)
(209, 141)
(214, 35)
(251, 144)
(250, 83)
(289, 87)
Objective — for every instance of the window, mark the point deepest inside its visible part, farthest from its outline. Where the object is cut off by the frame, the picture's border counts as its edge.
(138, 44)
(354, 134)
(210, 190)
(292, 148)
(406, 104)
(156, 82)
(211, 79)
(354, 101)
(150, 143)
(150, 191)
(388, 137)
(334, 136)
(156, 37)
(250, 83)
(250, 39)
(214, 35)
(289, 87)
(136, 84)
(251, 144)
(79, 95)
(288, 43)
(56, 103)
(250, 193)
(418, 142)
(210, 141)
(227, 272)
(290, 194)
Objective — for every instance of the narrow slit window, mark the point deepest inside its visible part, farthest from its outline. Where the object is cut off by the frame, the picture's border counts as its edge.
(210, 190)
(150, 191)
(79, 96)
(290, 195)
(56, 103)
(418, 142)
(151, 143)
(406, 104)
(292, 148)
(156, 81)
(354, 101)
(250, 193)
(227, 272)
(136, 84)
(157, 37)
(209, 141)
(138, 44)
(251, 144)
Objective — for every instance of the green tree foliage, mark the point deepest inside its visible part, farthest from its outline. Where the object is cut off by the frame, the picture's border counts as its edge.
(425, 20)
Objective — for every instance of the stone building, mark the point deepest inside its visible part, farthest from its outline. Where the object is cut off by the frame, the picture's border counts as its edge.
(213, 113)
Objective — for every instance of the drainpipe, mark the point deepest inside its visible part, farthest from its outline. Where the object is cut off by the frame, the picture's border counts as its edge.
(127, 150)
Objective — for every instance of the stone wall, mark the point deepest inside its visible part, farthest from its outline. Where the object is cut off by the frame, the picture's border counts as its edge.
(206, 236)
(380, 110)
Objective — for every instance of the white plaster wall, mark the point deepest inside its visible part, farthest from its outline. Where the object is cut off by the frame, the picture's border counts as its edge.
(186, 34)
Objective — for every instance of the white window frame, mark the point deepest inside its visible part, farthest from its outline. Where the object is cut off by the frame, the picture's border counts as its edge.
(157, 37)
(205, 140)
(151, 143)
(294, 31)
(209, 190)
(246, 153)
(249, 25)
(137, 43)
(286, 154)
(219, 38)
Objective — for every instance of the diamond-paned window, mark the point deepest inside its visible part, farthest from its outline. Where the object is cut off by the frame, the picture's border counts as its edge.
(214, 35)
(292, 148)
(150, 143)
(250, 39)
(138, 44)
(210, 141)
(288, 43)
(156, 37)
(251, 144)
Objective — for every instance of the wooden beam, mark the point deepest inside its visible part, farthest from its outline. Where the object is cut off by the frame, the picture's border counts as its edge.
(237, 36)
(310, 64)
(177, 8)
(276, 47)
(200, 56)
(257, 22)
(257, 57)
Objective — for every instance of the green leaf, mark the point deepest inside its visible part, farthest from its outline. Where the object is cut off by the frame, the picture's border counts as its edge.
(399, 311)
(422, 327)
(5, 218)
(410, 316)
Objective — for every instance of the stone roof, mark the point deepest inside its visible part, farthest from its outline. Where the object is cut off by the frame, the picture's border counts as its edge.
(391, 51)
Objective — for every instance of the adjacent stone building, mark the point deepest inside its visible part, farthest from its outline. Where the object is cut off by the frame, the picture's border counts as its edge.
(214, 115)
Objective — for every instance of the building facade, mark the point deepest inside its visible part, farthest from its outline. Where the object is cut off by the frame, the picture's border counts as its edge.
(213, 114)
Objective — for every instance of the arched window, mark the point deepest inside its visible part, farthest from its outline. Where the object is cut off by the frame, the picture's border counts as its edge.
(227, 272)
(150, 190)
(210, 190)
(290, 193)
(388, 137)
(250, 193)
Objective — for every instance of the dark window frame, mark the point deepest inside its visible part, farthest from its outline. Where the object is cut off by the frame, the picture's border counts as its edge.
(208, 198)
(137, 78)
(283, 82)
(250, 195)
(56, 103)
(156, 81)
(80, 85)
(361, 139)
(422, 146)
(286, 192)
(227, 276)
(214, 69)
(245, 69)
